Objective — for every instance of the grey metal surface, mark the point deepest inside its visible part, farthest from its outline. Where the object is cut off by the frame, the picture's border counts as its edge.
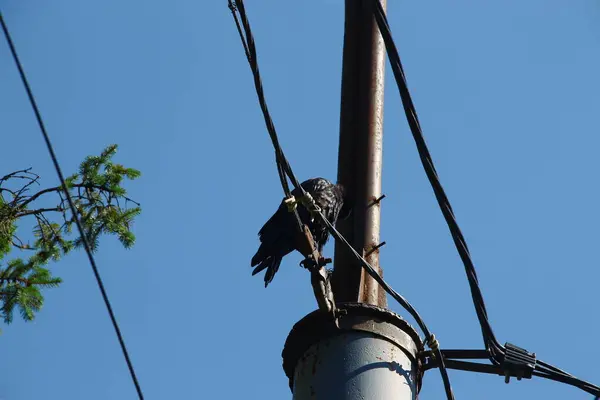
(371, 356)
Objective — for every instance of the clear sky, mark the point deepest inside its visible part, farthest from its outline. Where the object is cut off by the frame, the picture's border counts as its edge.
(508, 95)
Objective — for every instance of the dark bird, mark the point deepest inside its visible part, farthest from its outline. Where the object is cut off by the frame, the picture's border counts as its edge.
(280, 235)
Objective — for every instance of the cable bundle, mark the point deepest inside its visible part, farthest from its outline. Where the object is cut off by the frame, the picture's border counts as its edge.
(507, 360)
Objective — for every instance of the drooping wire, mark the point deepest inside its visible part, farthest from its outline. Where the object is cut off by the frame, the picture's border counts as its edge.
(444, 203)
(494, 348)
(283, 167)
(71, 205)
(282, 164)
(568, 379)
(548, 371)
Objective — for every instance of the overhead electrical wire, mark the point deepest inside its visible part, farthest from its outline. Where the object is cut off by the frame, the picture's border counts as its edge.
(415, 127)
(283, 167)
(250, 50)
(497, 352)
(430, 338)
(71, 206)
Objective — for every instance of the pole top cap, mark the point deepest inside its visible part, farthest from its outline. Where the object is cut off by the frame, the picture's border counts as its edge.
(318, 326)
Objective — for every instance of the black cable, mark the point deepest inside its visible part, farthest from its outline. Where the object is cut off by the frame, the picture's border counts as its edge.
(282, 163)
(498, 370)
(541, 368)
(71, 205)
(247, 38)
(283, 166)
(548, 371)
(430, 338)
(495, 349)
(415, 127)
(233, 9)
(591, 389)
(250, 48)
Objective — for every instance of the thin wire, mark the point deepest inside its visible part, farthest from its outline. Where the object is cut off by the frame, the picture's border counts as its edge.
(71, 205)
(591, 389)
(548, 371)
(250, 48)
(233, 9)
(401, 300)
(283, 166)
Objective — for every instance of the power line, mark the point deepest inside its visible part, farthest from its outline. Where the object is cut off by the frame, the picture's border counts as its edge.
(313, 261)
(71, 205)
(509, 359)
(283, 167)
(426, 160)
(430, 338)
(250, 49)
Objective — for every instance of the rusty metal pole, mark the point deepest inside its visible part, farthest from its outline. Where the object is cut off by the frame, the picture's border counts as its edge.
(360, 153)
(372, 352)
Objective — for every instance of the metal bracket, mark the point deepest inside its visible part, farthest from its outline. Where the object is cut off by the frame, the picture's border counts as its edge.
(319, 276)
(517, 362)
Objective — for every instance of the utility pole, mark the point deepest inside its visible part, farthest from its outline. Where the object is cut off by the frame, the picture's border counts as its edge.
(372, 353)
(360, 153)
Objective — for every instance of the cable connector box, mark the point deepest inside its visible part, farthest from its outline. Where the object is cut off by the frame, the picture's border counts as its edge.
(518, 362)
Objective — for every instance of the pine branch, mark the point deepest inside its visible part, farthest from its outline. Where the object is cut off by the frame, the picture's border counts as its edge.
(78, 186)
(97, 193)
(5, 280)
(20, 245)
(38, 211)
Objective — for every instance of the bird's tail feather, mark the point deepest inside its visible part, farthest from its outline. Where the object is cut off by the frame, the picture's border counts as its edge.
(258, 257)
(271, 264)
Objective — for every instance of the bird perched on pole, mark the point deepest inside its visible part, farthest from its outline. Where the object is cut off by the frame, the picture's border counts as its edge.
(280, 234)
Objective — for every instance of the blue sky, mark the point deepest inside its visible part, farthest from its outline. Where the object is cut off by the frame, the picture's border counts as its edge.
(507, 94)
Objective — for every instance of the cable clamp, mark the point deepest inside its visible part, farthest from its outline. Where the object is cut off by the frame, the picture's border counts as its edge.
(517, 362)
(291, 203)
(306, 200)
(310, 204)
(433, 344)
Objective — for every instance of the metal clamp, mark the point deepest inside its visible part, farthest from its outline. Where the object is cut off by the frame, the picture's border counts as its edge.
(517, 362)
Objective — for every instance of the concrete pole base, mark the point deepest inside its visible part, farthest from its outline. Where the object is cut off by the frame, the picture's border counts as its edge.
(372, 356)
